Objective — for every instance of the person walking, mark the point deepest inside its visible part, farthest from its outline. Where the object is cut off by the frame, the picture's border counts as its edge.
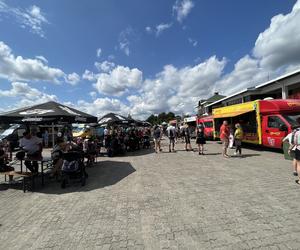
(224, 136)
(294, 152)
(171, 132)
(187, 138)
(200, 141)
(238, 137)
(157, 134)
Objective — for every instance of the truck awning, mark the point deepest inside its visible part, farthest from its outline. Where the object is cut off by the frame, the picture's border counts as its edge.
(231, 114)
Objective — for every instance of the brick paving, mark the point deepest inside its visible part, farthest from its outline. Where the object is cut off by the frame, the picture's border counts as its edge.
(161, 201)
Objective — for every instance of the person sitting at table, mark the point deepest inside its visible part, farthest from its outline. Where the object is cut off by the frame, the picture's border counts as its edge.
(32, 145)
(56, 156)
(3, 160)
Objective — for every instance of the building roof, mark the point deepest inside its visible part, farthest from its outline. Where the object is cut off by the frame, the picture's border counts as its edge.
(215, 98)
(256, 87)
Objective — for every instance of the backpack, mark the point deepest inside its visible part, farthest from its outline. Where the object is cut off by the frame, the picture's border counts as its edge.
(295, 137)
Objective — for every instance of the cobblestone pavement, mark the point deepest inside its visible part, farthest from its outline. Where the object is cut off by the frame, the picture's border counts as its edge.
(161, 201)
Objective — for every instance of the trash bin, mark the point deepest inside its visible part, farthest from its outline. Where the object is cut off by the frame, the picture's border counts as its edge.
(286, 146)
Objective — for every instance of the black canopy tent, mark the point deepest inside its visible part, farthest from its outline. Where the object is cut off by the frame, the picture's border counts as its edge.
(114, 119)
(46, 113)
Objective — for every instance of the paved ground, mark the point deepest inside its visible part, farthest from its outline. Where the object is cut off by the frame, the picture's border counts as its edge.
(161, 201)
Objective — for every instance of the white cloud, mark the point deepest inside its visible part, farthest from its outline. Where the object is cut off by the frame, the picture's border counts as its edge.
(125, 38)
(162, 27)
(101, 106)
(177, 90)
(73, 78)
(182, 8)
(99, 52)
(148, 29)
(18, 68)
(88, 75)
(193, 42)
(118, 81)
(279, 44)
(31, 17)
(93, 94)
(104, 66)
(26, 95)
(276, 51)
(42, 58)
(246, 73)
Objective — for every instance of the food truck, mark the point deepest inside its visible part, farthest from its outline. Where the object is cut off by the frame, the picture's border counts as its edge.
(264, 122)
(207, 122)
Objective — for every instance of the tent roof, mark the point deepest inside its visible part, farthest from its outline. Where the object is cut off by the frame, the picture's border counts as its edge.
(47, 112)
(112, 118)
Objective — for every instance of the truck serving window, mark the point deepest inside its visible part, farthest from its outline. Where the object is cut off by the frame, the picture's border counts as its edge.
(274, 122)
(293, 119)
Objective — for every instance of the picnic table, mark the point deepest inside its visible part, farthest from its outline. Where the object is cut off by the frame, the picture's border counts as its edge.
(29, 175)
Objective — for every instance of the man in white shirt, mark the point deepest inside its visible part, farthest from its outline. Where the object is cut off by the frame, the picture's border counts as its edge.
(32, 145)
(171, 132)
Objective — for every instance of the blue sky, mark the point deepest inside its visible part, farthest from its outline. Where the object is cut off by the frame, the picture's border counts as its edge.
(142, 57)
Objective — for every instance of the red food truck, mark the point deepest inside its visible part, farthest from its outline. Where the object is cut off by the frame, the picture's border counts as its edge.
(264, 122)
(207, 122)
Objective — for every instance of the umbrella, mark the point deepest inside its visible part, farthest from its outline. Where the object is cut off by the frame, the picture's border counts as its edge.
(47, 113)
(114, 119)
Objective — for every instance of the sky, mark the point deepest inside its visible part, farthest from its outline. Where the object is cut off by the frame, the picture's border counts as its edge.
(142, 57)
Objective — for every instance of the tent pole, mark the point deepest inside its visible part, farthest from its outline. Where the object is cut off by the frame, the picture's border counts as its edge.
(53, 135)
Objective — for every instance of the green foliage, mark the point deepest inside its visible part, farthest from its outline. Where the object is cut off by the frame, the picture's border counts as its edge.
(162, 117)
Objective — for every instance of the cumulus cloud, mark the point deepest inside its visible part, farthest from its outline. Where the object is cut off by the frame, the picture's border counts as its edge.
(101, 106)
(73, 78)
(246, 73)
(105, 66)
(279, 44)
(177, 90)
(26, 95)
(159, 29)
(18, 68)
(88, 75)
(118, 81)
(276, 51)
(31, 18)
(182, 8)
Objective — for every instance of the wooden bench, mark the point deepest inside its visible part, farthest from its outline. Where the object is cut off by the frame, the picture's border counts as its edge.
(24, 175)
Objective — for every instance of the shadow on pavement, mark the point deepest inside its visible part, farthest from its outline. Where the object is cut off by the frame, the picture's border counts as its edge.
(103, 174)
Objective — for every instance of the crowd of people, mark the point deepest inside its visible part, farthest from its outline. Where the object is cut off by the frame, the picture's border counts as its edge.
(173, 133)
(119, 140)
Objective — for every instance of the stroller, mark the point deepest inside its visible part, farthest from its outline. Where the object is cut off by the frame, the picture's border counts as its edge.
(73, 167)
